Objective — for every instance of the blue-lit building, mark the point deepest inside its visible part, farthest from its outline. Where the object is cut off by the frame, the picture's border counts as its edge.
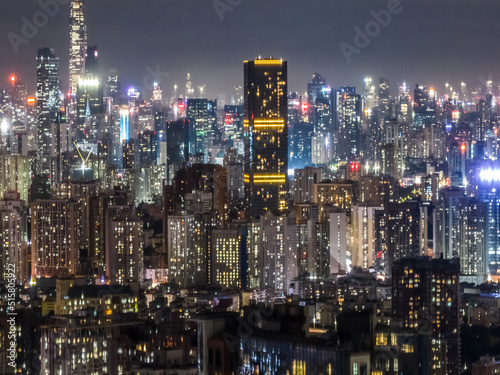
(124, 125)
(485, 179)
(300, 145)
(233, 124)
(202, 116)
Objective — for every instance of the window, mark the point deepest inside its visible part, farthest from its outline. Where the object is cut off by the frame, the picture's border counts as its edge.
(407, 348)
(394, 339)
(380, 339)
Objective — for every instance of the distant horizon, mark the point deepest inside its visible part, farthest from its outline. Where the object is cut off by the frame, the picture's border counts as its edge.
(211, 43)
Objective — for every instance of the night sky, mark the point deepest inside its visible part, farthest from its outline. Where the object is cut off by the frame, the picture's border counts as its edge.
(430, 42)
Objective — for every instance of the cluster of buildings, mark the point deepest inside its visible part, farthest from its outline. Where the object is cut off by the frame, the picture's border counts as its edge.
(341, 231)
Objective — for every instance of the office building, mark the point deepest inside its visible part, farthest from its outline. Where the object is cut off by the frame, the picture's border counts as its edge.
(266, 135)
(48, 104)
(348, 122)
(78, 43)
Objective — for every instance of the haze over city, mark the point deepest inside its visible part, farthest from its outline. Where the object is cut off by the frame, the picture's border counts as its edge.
(428, 43)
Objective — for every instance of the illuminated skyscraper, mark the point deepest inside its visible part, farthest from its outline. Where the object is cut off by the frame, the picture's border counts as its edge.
(348, 118)
(202, 116)
(47, 92)
(460, 231)
(363, 235)
(233, 123)
(89, 98)
(113, 87)
(77, 43)
(266, 134)
(384, 98)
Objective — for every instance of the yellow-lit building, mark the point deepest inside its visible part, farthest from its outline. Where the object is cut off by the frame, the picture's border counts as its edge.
(226, 260)
(266, 135)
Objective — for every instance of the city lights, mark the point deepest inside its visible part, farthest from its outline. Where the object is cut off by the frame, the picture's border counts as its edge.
(490, 175)
(181, 203)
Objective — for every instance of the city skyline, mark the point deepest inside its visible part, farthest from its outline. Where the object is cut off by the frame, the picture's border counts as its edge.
(274, 200)
(208, 41)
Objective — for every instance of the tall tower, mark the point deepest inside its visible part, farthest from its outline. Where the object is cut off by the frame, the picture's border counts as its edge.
(48, 103)
(77, 43)
(266, 135)
(348, 118)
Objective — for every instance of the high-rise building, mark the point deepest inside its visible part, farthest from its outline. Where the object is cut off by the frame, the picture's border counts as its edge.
(460, 231)
(339, 257)
(348, 122)
(342, 194)
(78, 43)
(314, 88)
(48, 105)
(320, 104)
(233, 124)
(277, 260)
(186, 244)
(113, 87)
(89, 99)
(405, 231)
(488, 191)
(266, 135)
(13, 245)
(363, 235)
(226, 258)
(304, 184)
(426, 301)
(384, 97)
(148, 148)
(92, 62)
(202, 116)
(301, 142)
(15, 175)
(124, 245)
(54, 238)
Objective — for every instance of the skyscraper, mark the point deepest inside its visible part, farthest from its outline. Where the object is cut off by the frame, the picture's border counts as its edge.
(348, 118)
(89, 99)
(202, 122)
(266, 134)
(460, 231)
(47, 91)
(383, 93)
(77, 43)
